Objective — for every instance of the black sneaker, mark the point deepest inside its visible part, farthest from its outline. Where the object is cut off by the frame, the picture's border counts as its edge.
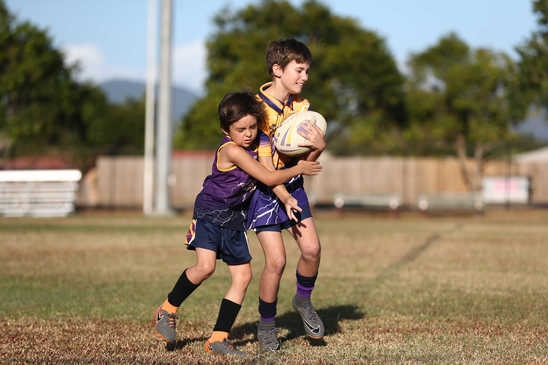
(313, 325)
(267, 337)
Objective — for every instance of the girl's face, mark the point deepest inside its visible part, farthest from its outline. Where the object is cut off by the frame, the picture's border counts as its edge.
(294, 76)
(244, 131)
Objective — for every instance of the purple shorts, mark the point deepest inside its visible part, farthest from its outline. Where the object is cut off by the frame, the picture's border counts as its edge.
(267, 213)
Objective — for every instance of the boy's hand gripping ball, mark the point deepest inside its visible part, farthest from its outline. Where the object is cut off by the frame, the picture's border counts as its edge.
(287, 139)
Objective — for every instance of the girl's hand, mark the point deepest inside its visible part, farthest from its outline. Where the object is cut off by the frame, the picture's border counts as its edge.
(309, 167)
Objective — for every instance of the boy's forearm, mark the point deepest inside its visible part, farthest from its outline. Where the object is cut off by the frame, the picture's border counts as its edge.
(314, 155)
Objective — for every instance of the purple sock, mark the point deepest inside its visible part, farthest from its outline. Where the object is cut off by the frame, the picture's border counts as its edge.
(305, 285)
(304, 291)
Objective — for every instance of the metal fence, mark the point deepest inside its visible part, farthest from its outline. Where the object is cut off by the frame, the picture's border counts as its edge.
(117, 182)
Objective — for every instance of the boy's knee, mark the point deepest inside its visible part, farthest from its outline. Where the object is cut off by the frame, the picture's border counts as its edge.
(312, 252)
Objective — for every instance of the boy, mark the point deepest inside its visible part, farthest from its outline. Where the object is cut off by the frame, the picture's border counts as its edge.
(218, 227)
(288, 62)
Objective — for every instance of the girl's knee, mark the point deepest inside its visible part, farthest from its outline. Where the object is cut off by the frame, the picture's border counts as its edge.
(248, 281)
(242, 279)
(276, 265)
(205, 270)
(246, 278)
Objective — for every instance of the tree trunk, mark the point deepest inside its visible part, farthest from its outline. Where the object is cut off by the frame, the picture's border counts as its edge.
(478, 172)
(460, 145)
(472, 177)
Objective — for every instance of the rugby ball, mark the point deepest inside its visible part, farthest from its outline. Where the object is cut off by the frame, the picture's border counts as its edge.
(287, 139)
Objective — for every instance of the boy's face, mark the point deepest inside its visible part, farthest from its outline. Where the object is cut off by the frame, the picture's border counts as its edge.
(244, 131)
(294, 76)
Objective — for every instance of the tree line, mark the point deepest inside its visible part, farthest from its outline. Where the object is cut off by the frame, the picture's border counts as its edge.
(44, 110)
(452, 99)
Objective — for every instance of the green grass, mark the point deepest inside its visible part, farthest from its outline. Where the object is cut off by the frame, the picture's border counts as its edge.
(458, 290)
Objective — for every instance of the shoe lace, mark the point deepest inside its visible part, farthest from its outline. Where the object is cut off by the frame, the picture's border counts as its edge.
(228, 345)
(309, 310)
(311, 313)
(171, 320)
(270, 337)
(229, 348)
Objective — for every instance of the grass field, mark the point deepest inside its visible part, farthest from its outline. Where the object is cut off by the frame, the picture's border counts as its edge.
(415, 290)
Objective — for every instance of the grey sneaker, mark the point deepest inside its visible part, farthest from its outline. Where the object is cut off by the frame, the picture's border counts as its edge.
(165, 325)
(267, 337)
(223, 347)
(313, 325)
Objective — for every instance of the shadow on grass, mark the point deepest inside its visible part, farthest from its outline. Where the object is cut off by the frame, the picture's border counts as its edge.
(184, 342)
(292, 322)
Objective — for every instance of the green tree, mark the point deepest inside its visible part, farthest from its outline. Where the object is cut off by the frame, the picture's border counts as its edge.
(533, 61)
(354, 81)
(34, 83)
(101, 128)
(121, 131)
(44, 110)
(458, 102)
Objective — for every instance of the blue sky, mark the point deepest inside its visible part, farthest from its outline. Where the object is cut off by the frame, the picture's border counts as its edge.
(109, 37)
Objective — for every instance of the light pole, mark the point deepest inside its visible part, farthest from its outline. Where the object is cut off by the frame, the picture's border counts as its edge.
(150, 106)
(163, 140)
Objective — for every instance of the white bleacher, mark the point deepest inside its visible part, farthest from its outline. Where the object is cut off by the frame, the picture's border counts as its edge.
(38, 193)
(383, 201)
(450, 202)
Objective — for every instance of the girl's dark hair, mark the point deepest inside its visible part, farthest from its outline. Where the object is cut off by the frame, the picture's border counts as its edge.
(283, 51)
(236, 105)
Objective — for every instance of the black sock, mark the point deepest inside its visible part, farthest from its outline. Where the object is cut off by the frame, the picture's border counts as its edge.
(267, 310)
(227, 315)
(182, 289)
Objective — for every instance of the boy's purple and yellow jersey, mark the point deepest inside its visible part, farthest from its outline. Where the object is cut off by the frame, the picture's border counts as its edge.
(265, 208)
(226, 192)
(275, 113)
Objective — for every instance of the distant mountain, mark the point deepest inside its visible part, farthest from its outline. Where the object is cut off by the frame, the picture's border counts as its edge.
(535, 126)
(118, 90)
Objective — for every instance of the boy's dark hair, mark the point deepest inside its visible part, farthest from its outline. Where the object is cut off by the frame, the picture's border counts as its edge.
(236, 105)
(283, 51)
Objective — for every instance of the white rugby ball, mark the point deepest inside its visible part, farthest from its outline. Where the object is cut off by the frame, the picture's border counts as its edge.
(287, 139)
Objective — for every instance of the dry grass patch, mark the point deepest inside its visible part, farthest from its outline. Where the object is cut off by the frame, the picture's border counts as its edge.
(127, 342)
